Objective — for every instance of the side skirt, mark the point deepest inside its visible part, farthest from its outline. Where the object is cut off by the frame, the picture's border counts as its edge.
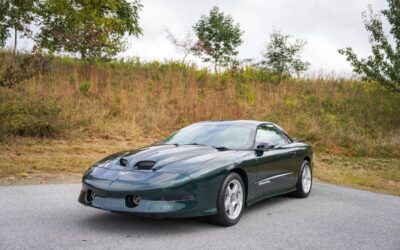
(251, 202)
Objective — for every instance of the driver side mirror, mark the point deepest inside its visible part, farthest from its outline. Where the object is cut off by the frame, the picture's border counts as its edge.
(262, 146)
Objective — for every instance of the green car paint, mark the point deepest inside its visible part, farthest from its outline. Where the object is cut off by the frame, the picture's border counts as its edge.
(183, 180)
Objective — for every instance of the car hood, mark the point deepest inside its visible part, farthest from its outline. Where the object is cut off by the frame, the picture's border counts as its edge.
(172, 159)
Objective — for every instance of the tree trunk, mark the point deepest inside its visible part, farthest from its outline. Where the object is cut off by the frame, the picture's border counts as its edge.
(83, 56)
(281, 73)
(15, 41)
(15, 48)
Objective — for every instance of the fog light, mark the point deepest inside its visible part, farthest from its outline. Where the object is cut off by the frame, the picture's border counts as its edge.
(90, 196)
(132, 200)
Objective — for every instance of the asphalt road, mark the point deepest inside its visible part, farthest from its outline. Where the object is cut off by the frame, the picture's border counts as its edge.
(49, 217)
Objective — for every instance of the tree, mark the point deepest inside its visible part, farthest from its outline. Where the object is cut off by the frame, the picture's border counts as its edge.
(16, 15)
(92, 29)
(3, 26)
(282, 57)
(184, 45)
(383, 66)
(218, 38)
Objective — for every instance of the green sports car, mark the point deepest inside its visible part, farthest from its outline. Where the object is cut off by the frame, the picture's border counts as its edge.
(211, 168)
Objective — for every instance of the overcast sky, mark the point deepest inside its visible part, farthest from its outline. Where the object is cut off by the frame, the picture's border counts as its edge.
(326, 25)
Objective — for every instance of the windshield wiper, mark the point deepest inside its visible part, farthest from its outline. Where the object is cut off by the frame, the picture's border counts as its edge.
(196, 144)
(220, 148)
(163, 143)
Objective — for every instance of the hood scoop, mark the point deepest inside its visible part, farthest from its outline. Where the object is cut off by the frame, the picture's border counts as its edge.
(123, 162)
(144, 165)
(140, 165)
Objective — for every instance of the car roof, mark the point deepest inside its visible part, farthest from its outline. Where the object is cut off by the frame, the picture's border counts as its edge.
(254, 122)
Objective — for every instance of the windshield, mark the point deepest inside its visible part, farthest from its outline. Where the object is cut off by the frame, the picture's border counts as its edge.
(218, 135)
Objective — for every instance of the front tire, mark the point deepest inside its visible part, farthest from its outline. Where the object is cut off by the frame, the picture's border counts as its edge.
(304, 181)
(230, 201)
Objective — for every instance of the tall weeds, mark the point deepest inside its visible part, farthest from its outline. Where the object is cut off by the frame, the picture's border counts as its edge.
(139, 99)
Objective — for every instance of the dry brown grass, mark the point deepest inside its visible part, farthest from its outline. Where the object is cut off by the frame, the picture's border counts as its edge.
(26, 157)
(126, 99)
(374, 174)
(28, 161)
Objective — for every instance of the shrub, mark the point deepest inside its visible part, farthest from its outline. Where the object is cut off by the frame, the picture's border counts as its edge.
(84, 88)
(27, 118)
(29, 65)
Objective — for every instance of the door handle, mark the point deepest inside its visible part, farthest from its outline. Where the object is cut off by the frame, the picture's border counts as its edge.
(293, 154)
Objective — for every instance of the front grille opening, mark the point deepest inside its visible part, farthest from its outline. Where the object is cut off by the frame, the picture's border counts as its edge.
(145, 165)
(178, 197)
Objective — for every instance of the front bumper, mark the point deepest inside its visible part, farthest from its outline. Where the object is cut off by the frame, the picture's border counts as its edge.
(182, 206)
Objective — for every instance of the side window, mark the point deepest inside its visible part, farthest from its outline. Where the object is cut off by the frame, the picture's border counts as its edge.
(270, 135)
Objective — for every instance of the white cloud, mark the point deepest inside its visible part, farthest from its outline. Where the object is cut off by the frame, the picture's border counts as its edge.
(327, 25)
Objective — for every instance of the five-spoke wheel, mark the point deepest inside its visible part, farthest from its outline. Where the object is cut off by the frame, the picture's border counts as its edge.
(230, 202)
(233, 199)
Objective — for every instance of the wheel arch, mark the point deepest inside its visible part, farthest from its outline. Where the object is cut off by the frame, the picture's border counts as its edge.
(309, 159)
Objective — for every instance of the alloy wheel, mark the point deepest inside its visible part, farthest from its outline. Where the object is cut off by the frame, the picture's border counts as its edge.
(233, 199)
(306, 179)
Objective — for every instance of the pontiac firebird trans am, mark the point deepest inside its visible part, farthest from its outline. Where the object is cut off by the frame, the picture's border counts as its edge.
(212, 168)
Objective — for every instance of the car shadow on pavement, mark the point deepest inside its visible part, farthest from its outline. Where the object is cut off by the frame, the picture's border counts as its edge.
(109, 222)
(272, 202)
(122, 223)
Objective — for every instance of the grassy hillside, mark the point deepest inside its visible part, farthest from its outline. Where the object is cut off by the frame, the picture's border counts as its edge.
(140, 102)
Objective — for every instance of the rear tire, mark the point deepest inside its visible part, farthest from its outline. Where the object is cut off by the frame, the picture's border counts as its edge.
(230, 201)
(304, 181)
